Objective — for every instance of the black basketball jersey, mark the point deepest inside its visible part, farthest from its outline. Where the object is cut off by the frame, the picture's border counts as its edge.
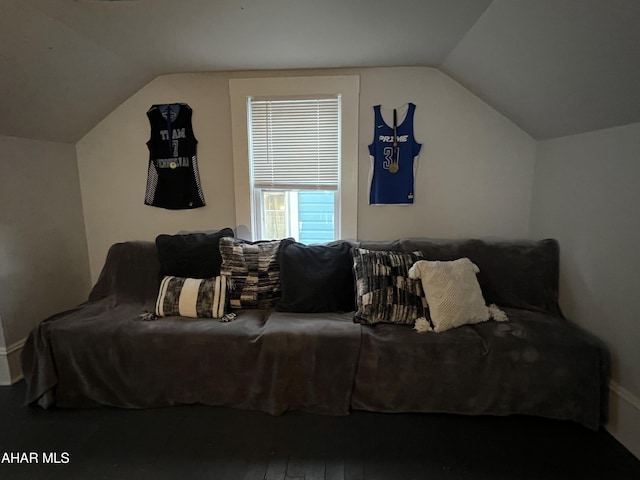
(173, 180)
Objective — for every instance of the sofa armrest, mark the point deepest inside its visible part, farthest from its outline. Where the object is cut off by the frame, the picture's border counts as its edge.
(131, 273)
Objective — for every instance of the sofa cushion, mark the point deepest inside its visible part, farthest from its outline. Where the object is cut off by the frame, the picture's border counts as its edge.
(316, 278)
(192, 255)
(385, 245)
(519, 274)
(385, 293)
(521, 366)
(253, 272)
(192, 297)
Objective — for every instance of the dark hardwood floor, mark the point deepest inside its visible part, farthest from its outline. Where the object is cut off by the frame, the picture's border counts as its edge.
(199, 442)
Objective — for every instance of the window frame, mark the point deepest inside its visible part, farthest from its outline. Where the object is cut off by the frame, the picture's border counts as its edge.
(348, 88)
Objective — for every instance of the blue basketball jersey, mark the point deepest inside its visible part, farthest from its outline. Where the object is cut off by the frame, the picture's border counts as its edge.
(394, 157)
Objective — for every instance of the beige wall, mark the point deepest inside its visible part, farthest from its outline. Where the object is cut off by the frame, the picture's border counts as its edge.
(475, 168)
(43, 252)
(586, 195)
(474, 178)
(113, 160)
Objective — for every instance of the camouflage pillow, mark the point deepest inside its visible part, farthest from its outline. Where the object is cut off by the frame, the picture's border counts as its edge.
(253, 272)
(384, 291)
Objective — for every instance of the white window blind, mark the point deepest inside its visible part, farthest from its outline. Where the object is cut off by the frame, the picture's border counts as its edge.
(295, 144)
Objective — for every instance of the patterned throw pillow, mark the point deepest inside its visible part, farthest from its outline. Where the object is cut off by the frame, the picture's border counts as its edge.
(253, 272)
(385, 293)
(192, 297)
(453, 294)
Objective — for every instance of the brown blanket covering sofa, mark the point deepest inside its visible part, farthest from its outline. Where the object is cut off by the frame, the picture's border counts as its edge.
(537, 363)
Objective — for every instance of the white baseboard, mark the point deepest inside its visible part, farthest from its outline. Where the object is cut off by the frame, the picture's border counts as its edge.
(10, 370)
(624, 417)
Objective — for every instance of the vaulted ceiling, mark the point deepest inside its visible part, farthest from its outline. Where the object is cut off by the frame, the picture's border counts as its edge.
(554, 67)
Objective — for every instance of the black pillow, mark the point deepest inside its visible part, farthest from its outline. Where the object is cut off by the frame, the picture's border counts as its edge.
(316, 278)
(191, 255)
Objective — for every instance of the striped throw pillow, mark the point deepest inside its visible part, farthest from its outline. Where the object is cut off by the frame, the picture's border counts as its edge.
(192, 297)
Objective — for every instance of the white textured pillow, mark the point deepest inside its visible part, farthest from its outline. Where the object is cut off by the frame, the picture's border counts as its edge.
(453, 293)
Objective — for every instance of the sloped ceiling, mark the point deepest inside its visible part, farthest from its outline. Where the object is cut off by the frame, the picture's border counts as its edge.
(554, 67)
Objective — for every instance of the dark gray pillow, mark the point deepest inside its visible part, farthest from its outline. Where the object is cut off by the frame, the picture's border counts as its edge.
(191, 255)
(513, 273)
(385, 293)
(316, 278)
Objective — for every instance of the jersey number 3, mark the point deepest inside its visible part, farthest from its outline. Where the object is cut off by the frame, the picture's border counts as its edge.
(388, 157)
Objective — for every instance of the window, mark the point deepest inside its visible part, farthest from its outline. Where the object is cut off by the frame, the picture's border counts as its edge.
(295, 151)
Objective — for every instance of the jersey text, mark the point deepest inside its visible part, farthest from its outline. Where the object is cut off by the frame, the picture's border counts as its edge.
(389, 138)
(177, 133)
